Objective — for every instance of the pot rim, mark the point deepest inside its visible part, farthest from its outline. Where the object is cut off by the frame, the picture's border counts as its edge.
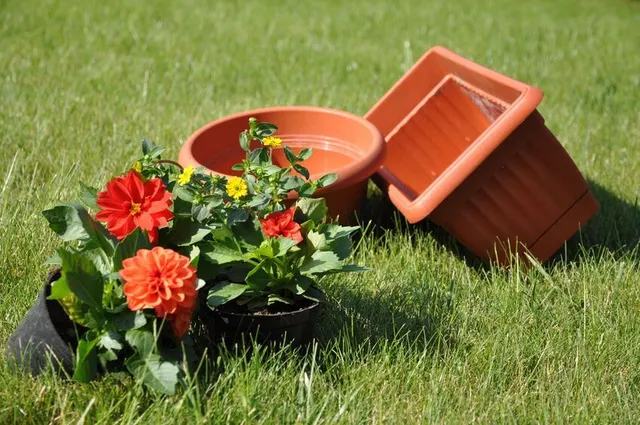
(360, 169)
(313, 306)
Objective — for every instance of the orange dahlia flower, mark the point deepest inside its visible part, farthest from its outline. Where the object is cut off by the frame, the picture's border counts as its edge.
(129, 203)
(163, 280)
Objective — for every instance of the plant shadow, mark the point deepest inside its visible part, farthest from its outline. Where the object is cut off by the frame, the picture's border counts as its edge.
(416, 315)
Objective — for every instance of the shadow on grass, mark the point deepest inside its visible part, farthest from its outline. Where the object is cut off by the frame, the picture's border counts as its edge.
(384, 217)
(614, 230)
(423, 322)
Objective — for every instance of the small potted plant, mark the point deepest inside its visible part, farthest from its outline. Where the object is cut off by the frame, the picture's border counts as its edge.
(125, 289)
(271, 252)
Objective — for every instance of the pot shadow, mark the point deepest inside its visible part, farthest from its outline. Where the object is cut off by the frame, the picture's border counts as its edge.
(613, 231)
(378, 216)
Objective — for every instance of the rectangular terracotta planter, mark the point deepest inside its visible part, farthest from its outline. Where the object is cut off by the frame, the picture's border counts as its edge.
(467, 147)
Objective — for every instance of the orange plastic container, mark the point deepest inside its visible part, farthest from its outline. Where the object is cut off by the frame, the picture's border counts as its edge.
(467, 147)
(342, 143)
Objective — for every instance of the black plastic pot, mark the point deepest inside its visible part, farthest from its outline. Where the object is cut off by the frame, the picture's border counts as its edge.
(295, 327)
(46, 335)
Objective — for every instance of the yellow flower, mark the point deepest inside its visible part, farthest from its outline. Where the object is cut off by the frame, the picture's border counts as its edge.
(185, 177)
(236, 187)
(273, 142)
(137, 167)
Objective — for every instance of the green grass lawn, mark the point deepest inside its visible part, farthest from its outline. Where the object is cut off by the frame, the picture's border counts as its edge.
(424, 337)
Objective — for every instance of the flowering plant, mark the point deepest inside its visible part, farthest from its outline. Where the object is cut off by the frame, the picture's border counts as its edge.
(130, 273)
(127, 285)
(270, 251)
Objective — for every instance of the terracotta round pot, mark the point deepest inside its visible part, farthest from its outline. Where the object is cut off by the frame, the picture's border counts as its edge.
(45, 335)
(342, 143)
(294, 327)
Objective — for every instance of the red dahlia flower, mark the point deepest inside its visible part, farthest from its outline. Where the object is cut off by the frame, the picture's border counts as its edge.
(129, 203)
(282, 224)
(163, 280)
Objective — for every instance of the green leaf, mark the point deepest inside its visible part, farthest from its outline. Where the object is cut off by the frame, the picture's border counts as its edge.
(264, 129)
(314, 209)
(220, 253)
(249, 232)
(59, 289)
(68, 221)
(327, 179)
(88, 196)
(148, 146)
(354, 268)
(83, 278)
(292, 183)
(237, 215)
(111, 344)
(224, 292)
(334, 231)
(282, 245)
(257, 303)
(305, 154)
(129, 246)
(258, 278)
(302, 284)
(321, 261)
(272, 169)
(245, 142)
(259, 157)
(71, 221)
(52, 260)
(86, 364)
(306, 190)
(140, 340)
(314, 294)
(154, 372)
(259, 202)
(302, 170)
(341, 247)
(275, 298)
(184, 193)
(317, 240)
(188, 232)
(200, 283)
(128, 320)
(238, 167)
(291, 156)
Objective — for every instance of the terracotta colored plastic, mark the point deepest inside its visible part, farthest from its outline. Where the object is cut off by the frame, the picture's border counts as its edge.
(342, 143)
(467, 147)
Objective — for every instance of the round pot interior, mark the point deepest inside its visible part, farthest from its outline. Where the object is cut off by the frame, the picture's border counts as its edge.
(342, 143)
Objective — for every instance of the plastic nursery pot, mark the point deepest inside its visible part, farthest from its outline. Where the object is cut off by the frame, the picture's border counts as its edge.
(46, 335)
(293, 327)
(342, 143)
(467, 147)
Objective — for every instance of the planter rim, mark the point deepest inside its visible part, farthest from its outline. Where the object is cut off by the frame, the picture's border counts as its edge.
(360, 169)
(276, 315)
(497, 132)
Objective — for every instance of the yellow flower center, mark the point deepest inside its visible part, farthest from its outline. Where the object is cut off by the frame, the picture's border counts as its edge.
(134, 208)
(273, 142)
